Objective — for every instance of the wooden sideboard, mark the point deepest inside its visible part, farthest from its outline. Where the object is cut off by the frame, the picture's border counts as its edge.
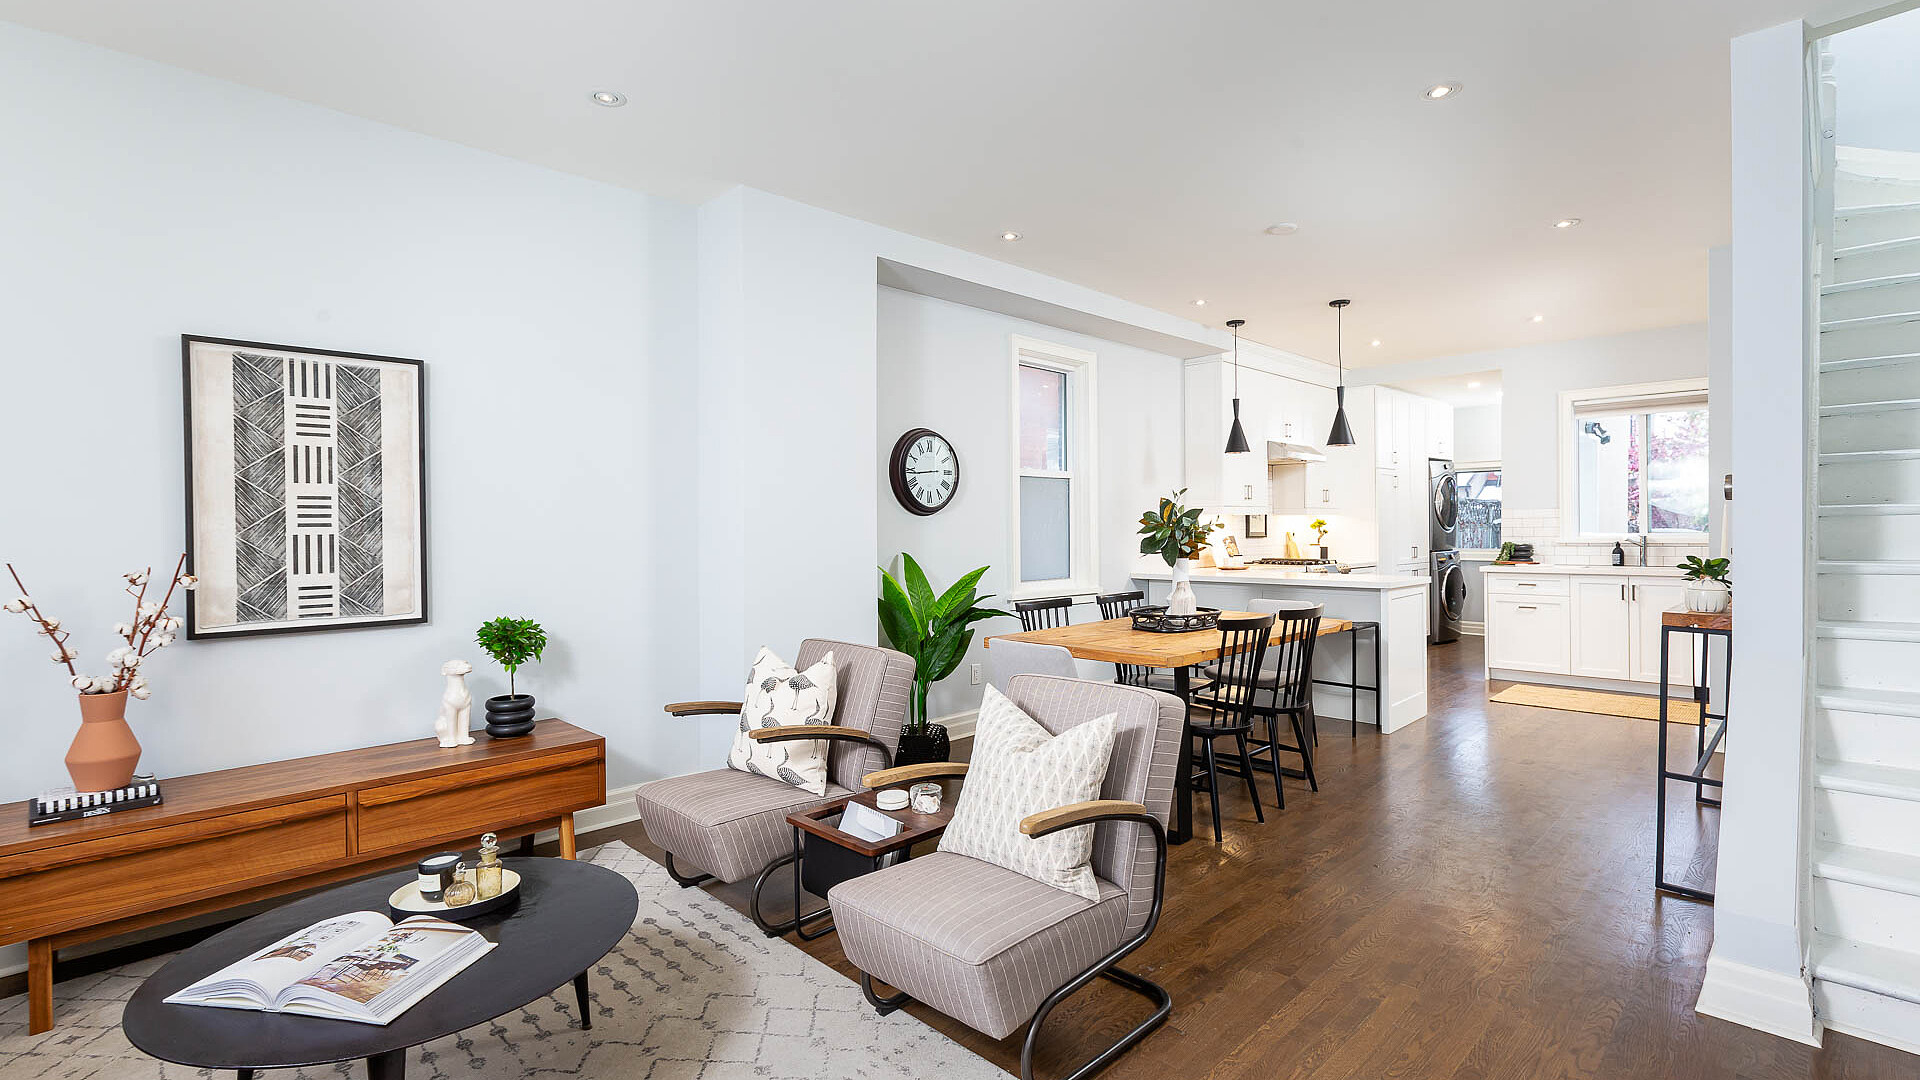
(239, 835)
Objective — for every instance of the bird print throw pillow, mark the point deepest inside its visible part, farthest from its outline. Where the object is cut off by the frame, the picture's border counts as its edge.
(777, 695)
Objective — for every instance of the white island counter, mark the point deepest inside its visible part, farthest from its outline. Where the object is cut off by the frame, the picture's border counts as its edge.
(1398, 602)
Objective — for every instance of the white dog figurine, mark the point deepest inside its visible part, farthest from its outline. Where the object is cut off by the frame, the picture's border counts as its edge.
(456, 704)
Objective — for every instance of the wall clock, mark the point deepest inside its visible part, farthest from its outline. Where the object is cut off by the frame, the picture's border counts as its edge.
(925, 471)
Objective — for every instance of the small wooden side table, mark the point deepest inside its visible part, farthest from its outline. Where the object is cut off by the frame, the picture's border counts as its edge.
(1705, 627)
(826, 856)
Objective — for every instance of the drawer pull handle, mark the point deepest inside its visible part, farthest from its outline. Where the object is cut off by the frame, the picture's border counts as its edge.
(1525, 584)
(1528, 607)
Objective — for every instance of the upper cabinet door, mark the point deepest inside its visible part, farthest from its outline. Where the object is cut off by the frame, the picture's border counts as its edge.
(1440, 430)
(1389, 412)
(1223, 483)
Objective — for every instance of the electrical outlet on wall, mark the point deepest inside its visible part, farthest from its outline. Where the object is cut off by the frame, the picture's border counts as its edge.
(973, 674)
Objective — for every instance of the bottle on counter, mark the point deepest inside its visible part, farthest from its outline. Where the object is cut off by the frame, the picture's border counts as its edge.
(1619, 555)
(487, 877)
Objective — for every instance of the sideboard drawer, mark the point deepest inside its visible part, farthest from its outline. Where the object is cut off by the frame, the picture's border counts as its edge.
(452, 805)
(93, 881)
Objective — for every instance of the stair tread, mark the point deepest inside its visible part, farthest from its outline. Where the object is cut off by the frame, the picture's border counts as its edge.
(1863, 966)
(1887, 405)
(1862, 630)
(1858, 362)
(1874, 208)
(1891, 318)
(1879, 702)
(1849, 457)
(1868, 867)
(1867, 566)
(1888, 781)
(1867, 509)
(1886, 282)
(1876, 246)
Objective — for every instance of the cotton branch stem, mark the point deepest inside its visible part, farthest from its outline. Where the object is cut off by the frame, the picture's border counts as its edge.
(59, 641)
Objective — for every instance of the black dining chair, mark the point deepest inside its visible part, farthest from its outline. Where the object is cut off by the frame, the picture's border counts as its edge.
(1118, 605)
(1044, 614)
(1243, 648)
(1286, 680)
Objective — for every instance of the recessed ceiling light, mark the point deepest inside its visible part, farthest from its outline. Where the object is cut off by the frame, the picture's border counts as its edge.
(1285, 228)
(1376, 343)
(612, 99)
(1442, 91)
(1009, 236)
(1474, 385)
(1199, 303)
(1566, 223)
(1539, 318)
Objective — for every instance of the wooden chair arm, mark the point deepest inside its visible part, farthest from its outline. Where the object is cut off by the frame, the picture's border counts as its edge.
(1066, 817)
(790, 732)
(906, 774)
(704, 708)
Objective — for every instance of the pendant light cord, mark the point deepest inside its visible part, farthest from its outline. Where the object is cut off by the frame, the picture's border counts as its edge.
(1340, 341)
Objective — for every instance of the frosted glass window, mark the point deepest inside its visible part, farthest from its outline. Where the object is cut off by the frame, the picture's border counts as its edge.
(1046, 528)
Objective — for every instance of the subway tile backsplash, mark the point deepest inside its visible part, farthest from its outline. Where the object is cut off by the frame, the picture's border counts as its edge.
(1541, 528)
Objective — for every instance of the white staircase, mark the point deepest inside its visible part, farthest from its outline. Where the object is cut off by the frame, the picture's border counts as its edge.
(1865, 889)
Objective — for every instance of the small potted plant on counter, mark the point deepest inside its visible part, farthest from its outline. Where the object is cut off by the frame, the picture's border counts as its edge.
(1319, 527)
(936, 631)
(1709, 589)
(1176, 534)
(511, 642)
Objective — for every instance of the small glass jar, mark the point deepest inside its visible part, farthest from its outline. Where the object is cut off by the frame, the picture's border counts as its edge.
(925, 798)
(487, 877)
(460, 891)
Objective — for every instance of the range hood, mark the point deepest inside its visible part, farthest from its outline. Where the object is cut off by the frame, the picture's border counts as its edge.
(1291, 453)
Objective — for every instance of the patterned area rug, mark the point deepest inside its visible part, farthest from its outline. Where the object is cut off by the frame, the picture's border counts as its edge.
(695, 991)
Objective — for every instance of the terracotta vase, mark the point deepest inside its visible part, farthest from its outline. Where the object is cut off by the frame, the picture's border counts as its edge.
(104, 752)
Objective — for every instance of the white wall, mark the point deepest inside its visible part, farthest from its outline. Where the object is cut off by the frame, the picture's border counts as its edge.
(1874, 67)
(1476, 433)
(1531, 380)
(554, 318)
(948, 367)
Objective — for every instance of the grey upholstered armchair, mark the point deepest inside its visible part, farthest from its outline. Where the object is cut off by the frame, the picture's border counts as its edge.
(733, 824)
(995, 949)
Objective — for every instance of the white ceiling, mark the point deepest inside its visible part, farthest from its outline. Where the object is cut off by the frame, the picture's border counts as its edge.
(1139, 146)
(1464, 391)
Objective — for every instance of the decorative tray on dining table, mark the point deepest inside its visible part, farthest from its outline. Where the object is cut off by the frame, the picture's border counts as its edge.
(1155, 620)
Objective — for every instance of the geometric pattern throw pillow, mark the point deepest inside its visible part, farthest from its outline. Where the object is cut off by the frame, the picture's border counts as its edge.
(776, 696)
(1019, 768)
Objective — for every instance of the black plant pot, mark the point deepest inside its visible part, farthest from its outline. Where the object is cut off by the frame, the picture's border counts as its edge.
(509, 715)
(921, 747)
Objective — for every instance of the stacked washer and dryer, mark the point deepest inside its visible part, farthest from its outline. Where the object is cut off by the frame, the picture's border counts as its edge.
(1448, 593)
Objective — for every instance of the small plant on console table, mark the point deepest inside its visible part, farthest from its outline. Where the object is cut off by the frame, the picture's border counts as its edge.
(936, 632)
(105, 753)
(1709, 588)
(511, 642)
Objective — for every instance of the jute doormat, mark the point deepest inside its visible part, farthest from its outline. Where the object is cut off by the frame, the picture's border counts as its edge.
(1638, 706)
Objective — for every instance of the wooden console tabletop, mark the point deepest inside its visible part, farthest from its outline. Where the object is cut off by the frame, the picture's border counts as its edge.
(239, 835)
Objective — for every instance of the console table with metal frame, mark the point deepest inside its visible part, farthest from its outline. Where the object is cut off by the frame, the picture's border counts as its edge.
(1705, 627)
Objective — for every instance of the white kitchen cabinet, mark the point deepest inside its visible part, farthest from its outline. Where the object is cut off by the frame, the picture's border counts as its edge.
(1439, 434)
(1602, 628)
(1527, 633)
(1652, 598)
(1389, 420)
(1223, 483)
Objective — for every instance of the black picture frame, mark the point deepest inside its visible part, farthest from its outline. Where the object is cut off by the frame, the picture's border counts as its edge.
(193, 630)
(1256, 526)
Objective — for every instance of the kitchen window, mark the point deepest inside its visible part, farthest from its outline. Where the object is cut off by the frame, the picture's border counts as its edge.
(1053, 453)
(1477, 494)
(1634, 462)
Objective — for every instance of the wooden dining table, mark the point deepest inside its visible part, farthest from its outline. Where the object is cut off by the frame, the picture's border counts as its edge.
(1115, 641)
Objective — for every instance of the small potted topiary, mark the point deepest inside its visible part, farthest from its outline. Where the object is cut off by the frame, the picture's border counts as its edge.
(511, 642)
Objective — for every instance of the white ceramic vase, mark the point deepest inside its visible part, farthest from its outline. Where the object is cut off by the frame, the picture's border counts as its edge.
(1182, 601)
(1708, 597)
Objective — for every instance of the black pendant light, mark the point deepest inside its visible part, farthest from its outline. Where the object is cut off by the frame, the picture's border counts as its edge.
(1237, 436)
(1342, 434)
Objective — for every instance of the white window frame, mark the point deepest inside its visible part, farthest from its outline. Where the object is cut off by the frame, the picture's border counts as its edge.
(1484, 466)
(1082, 444)
(1570, 403)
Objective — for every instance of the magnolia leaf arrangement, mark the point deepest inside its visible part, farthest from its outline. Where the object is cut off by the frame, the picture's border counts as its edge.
(512, 642)
(1695, 568)
(151, 629)
(1173, 531)
(935, 630)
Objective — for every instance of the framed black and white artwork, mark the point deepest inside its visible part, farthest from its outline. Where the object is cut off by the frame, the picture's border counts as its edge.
(306, 488)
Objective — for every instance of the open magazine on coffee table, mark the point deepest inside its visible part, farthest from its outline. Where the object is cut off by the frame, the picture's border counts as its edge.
(361, 967)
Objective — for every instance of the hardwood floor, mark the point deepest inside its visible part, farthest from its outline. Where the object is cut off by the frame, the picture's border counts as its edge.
(1468, 897)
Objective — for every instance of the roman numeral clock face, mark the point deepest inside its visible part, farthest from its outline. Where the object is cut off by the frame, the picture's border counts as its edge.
(925, 471)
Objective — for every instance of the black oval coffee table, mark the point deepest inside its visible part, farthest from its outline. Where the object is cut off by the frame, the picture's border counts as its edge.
(569, 915)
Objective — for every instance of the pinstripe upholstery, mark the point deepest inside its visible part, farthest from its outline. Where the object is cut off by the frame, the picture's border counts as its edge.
(726, 822)
(979, 942)
(986, 945)
(731, 824)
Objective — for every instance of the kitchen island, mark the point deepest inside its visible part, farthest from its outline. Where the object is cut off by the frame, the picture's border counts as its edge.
(1398, 602)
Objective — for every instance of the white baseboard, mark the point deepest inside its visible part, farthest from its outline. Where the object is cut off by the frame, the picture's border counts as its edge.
(1763, 1000)
(1473, 629)
(1867, 1015)
(959, 725)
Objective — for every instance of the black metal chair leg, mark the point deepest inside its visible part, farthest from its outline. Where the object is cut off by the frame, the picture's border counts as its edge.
(1146, 988)
(1246, 770)
(882, 1005)
(682, 880)
(797, 924)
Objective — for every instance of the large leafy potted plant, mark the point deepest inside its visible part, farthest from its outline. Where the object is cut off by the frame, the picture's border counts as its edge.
(511, 642)
(1176, 534)
(936, 631)
(1709, 588)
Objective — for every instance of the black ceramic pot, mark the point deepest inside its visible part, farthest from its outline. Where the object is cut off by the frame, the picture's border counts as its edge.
(509, 715)
(921, 747)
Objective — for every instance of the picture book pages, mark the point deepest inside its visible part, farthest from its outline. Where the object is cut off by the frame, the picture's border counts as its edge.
(361, 967)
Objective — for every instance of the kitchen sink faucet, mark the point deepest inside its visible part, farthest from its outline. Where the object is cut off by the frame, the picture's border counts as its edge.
(1642, 541)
